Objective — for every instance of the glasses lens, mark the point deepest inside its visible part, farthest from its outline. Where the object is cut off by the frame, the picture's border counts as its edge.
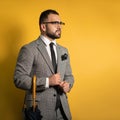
(55, 23)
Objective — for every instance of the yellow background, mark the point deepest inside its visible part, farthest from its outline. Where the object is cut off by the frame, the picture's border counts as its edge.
(92, 35)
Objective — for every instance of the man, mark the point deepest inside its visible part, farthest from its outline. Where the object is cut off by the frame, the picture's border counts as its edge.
(50, 63)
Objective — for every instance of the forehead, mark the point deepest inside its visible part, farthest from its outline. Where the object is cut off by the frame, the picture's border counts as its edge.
(53, 17)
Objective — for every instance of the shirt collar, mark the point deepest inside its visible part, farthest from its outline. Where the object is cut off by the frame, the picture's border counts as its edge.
(47, 41)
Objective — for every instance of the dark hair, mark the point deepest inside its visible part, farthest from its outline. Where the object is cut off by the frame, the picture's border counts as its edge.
(44, 15)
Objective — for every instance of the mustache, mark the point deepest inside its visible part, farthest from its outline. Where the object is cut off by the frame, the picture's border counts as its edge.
(58, 30)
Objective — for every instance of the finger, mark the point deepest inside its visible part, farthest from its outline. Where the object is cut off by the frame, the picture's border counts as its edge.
(58, 74)
(62, 84)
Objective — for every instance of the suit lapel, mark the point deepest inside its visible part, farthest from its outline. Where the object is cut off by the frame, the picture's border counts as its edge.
(59, 62)
(44, 53)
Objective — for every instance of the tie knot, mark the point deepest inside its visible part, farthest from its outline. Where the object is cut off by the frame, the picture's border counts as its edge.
(51, 44)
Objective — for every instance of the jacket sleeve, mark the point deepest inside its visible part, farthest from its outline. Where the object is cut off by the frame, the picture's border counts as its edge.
(25, 70)
(68, 77)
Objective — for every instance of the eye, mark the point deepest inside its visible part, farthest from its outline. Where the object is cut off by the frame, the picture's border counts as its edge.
(55, 23)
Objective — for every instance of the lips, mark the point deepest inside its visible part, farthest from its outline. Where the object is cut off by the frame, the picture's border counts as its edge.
(58, 31)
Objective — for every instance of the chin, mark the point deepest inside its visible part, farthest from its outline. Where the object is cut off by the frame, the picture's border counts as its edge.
(58, 37)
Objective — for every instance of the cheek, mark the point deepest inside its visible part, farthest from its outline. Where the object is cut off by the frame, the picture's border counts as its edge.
(51, 29)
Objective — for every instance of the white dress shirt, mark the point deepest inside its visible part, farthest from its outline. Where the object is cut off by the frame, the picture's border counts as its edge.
(47, 42)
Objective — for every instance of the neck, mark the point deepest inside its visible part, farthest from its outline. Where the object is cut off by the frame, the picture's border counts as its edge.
(48, 37)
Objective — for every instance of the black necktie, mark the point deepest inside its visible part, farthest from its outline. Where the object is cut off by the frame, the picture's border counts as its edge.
(55, 70)
(53, 57)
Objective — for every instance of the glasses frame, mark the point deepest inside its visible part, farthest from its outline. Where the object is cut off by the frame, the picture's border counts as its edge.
(55, 23)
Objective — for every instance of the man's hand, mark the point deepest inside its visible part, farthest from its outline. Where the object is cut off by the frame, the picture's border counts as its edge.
(65, 86)
(55, 79)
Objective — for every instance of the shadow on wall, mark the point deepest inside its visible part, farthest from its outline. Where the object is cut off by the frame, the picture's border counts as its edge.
(11, 98)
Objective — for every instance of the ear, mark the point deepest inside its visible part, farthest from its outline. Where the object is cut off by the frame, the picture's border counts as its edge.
(43, 27)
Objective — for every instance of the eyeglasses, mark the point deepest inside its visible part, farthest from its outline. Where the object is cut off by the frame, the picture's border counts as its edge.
(54, 23)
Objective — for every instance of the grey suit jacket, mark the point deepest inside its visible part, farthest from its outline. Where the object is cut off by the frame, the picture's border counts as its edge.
(34, 59)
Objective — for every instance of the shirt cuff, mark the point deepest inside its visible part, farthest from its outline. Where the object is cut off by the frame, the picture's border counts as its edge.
(47, 83)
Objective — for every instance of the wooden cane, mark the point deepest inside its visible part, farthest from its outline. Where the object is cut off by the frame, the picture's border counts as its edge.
(34, 92)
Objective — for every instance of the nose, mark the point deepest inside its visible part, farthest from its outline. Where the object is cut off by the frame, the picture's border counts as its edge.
(59, 26)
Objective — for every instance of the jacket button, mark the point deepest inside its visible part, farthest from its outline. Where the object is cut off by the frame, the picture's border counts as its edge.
(54, 95)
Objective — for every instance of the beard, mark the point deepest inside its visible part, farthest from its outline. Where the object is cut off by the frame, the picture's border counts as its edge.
(54, 35)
